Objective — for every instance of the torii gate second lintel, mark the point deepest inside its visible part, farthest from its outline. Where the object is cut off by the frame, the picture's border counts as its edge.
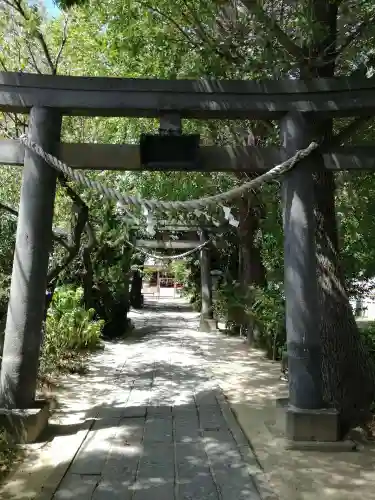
(126, 157)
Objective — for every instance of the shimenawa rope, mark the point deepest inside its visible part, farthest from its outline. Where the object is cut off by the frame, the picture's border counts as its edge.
(126, 199)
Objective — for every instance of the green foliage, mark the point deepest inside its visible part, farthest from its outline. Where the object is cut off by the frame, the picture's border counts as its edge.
(69, 328)
(368, 336)
(355, 210)
(146, 273)
(106, 282)
(231, 303)
(264, 308)
(7, 230)
(180, 270)
(192, 287)
(268, 312)
(112, 265)
(4, 293)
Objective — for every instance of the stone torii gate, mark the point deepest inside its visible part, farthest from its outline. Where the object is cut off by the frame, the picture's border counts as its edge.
(294, 102)
(207, 321)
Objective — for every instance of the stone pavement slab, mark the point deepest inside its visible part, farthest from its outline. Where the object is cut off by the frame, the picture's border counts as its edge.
(174, 371)
(172, 438)
(157, 425)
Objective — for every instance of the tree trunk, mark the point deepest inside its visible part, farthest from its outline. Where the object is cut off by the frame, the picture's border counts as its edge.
(136, 298)
(207, 313)
(348, 371)
(88, 278)
(252, 271)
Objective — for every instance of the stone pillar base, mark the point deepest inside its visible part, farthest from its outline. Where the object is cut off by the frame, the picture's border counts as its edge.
(312, 425)
(26, 425)
(324, 446)
(207, 325)
(309, 430)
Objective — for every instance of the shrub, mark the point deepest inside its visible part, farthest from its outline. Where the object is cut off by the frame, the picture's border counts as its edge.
(368, 336)
(231, 303)
(69, 329)
(110, 292)
(265, 307)
(180, 270)
(268, 312)
(195, 300)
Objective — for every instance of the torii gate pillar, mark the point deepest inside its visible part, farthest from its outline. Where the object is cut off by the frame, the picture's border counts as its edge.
(207, 322)
(23, 330)
(307, 419)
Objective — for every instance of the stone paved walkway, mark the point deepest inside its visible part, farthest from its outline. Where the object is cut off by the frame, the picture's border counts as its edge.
(164, 431)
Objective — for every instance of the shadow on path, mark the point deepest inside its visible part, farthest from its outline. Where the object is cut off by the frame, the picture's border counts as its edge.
(149, 420)
(153, 422)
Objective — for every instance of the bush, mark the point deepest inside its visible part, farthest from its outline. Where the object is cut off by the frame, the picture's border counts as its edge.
(195, 300)
(111, 291)
(264, 307)
(268, 312)
(368, 336)
(69, 329)
(180, 270)
(231, 304)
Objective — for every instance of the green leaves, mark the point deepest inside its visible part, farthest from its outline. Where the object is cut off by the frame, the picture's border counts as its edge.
(188, 39)
(69, 329)
(355, 209)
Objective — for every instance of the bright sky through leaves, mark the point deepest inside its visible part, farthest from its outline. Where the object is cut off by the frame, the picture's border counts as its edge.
(51, 8)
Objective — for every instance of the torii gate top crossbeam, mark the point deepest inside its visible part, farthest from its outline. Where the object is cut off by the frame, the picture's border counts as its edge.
(202, 99)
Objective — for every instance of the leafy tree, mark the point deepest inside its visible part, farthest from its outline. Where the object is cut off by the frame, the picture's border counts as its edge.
(83, 248)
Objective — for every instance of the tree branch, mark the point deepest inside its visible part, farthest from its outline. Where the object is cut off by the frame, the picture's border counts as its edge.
(9, 209)
(357, 33)
(91, 236)
(57, 235)
(203, 35)
(73, 246)
(17, 5)
(349, 130)
(170, 19)
(63, 43)
(76, 235)
(9, 4)
(2, 64)
(87, 264)
(206, 38)
(34, 63)
(271, 25)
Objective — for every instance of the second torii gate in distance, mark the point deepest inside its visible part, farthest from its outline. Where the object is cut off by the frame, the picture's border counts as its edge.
(207, 320)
